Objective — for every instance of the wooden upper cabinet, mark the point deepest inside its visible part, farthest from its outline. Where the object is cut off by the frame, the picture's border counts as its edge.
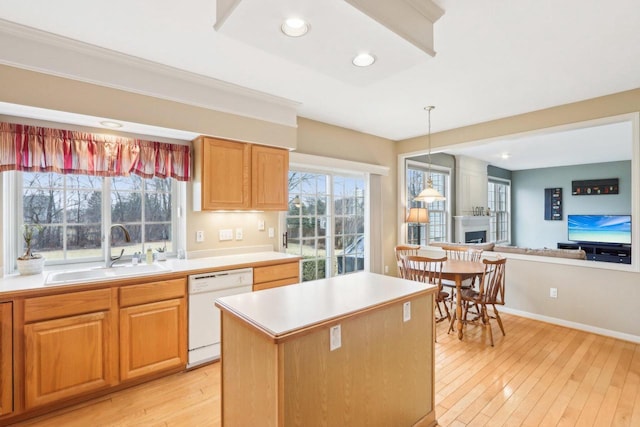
(6, 358)
(269, 178)
(222, 173)
(237, 175)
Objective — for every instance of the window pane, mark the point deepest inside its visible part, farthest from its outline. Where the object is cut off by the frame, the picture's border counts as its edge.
(42, 206)
(83, 206)
(84, 241)
(126, 207)
(158, 207)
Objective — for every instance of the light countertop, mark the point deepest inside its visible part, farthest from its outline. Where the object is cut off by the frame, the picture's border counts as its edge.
(16, 282)
(280, 311)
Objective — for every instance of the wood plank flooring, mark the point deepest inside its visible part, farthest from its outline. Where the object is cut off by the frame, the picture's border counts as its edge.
(538, 375)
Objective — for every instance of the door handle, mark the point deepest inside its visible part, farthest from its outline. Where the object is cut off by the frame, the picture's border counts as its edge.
(285, 240)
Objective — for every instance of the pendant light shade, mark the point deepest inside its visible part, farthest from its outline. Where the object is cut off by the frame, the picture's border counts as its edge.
(429, 194)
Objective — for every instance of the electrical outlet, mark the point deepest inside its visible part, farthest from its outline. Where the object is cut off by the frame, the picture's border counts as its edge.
(553, 292)
(226, 234)
(238, 233)
(406, 311)
(199, 236)
(272, 233)
(335, 338)
(261, 225)
(386, 269)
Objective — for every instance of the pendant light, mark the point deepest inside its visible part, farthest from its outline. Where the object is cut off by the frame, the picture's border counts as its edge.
(429, 194)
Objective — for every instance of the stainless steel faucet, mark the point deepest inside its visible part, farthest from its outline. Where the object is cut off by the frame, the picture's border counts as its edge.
(110, 260)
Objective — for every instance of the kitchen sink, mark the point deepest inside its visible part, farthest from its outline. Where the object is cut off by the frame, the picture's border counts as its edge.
(102, 273)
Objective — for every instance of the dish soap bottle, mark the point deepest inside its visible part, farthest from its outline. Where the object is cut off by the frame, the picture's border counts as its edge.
(149, 256)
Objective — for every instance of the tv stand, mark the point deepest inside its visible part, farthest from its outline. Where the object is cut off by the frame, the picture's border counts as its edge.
(605, 252)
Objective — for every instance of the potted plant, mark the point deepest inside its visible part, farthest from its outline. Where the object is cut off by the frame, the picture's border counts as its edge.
(30, 263)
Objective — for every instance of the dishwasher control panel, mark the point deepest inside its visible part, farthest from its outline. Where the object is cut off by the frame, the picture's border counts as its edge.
(207, 282)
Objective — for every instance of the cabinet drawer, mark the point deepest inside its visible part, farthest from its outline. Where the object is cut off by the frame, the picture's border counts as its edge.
(275, 284)
(152, 291)
(273, 273)
(53, 306)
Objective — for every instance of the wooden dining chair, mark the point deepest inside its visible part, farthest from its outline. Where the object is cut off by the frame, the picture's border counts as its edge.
(463, 253)
(404, 250)
(428, 270)
(489, 293)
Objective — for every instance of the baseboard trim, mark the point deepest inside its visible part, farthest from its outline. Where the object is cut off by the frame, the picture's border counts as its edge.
(574, 325)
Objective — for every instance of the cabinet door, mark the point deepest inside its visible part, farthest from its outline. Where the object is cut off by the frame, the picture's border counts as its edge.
(226, 179)
(269, 178)
(152, 338)
(67, 357)
(6, 359)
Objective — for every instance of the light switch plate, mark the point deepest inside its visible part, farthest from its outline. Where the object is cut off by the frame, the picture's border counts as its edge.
(261, 225)
(226, 234)
(238, 233)
(199, 236)
(272, 232)
(335, 338)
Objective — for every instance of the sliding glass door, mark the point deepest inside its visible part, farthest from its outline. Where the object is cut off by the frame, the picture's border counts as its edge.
(325, 223)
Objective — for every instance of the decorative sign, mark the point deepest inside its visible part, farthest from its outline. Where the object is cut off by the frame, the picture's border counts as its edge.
(553, 204)
(594, 187)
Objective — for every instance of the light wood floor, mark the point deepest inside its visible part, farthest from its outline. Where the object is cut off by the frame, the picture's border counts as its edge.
(538, 375)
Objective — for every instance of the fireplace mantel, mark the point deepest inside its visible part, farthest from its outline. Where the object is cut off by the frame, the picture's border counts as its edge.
(468, 223)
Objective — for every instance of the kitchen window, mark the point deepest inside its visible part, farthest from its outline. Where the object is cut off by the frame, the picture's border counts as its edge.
(72, 213)
(325, 222)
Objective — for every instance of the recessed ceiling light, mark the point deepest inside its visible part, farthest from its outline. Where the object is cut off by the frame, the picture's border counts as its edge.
(295, 27)
(505, 156)
(110, 124)
(364, 60)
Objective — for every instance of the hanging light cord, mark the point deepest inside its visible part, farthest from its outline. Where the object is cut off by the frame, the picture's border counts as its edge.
(429, 179)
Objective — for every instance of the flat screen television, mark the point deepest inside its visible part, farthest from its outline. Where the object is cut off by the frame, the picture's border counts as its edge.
(613, 229)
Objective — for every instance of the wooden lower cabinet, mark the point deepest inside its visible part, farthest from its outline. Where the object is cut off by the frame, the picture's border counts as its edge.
(6, 358)
(67, 357)
(152, 338)
(272, 276)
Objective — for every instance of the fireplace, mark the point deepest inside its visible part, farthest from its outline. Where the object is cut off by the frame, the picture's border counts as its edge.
(475, 236)
(468, 229)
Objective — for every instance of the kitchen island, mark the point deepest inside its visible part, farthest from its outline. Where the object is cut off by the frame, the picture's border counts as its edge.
(351, 350)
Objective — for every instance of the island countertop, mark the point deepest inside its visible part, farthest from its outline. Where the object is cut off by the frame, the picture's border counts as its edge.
(283, 311)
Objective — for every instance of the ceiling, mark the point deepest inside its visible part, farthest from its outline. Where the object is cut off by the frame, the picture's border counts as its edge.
(494, 58)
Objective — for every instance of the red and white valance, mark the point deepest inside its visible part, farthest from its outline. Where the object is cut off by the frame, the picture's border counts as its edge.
(38, 149)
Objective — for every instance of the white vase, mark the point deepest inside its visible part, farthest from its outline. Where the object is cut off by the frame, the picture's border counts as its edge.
(30, 266)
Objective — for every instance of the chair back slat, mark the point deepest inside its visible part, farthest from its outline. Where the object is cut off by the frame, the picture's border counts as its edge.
(402, 251)
(463, 253)
(424, 269)
(492, 284)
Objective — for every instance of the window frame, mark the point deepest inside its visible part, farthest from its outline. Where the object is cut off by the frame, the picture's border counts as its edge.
(330, 235)
(403, 183)
(493, 218)
(12, 184)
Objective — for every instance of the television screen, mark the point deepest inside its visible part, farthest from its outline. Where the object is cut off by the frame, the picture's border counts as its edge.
(600, 228)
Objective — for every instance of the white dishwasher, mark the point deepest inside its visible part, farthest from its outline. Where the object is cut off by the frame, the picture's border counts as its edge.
(204, 316)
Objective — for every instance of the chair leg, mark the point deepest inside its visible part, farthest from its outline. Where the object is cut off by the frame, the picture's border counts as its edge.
(446, 310)
(487, 322)
(452, 321)
(495, 310)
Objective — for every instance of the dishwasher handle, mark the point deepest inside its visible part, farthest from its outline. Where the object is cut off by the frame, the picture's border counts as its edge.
(217, 274)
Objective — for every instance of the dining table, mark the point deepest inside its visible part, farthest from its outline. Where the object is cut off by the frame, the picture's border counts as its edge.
(457, 271)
